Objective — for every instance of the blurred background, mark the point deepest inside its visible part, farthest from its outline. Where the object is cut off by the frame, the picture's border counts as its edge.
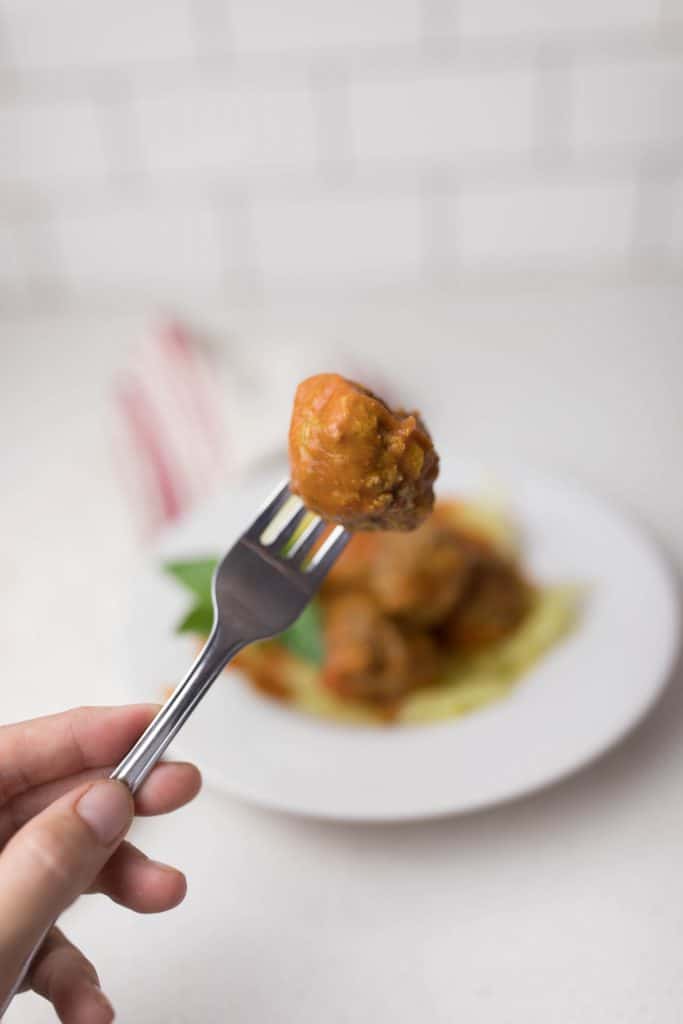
(475, 206)
(195, 150)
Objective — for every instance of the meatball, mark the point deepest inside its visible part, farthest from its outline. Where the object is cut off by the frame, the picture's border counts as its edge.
(495, 602)
(421, 576)
(356, 462)
(369, 657)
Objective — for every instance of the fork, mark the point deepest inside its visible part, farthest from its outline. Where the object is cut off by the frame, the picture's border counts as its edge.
(259, 589)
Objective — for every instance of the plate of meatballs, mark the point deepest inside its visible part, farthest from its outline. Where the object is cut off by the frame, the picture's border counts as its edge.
(468, 646)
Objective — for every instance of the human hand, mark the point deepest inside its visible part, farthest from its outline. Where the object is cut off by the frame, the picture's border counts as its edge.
(60, 836)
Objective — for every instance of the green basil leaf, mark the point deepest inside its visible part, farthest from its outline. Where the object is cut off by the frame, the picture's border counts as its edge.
(199, 619)
(304, 638)
(195, 575)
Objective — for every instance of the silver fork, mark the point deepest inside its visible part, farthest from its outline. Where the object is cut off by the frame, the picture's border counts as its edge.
(259, 589)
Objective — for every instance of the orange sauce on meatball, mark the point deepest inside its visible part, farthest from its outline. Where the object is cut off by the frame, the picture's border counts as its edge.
(356, 462)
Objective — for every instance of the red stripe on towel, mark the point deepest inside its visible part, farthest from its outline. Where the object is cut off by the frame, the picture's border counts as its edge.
(149, 442)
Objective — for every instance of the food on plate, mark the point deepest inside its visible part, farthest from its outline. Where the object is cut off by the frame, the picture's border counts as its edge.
(440, 589)
(410, 627)
(370, 656)
(428, 612)
(355, 461)
(420, 577)
(495, 600)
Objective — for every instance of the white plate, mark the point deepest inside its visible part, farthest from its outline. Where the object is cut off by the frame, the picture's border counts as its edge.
(581, 698)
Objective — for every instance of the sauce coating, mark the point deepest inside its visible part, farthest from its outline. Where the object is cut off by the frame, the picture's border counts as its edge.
(356, 462)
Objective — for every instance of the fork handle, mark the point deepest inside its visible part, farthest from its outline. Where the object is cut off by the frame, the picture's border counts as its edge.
(141, 758)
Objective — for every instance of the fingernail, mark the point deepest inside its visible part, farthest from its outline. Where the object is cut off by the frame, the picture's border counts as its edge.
(107, 808)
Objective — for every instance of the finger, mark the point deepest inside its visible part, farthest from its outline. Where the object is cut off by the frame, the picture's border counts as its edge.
(170, 785)
(51, 860)
(49, 748)
(133, 880)
(62, 975)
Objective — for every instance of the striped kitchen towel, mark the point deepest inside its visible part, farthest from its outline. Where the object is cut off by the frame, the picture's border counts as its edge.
(171, 445)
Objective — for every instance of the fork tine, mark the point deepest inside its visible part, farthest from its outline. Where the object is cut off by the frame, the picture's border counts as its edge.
(306, 541)
(329, 551)
(268, 512)
(287, 532)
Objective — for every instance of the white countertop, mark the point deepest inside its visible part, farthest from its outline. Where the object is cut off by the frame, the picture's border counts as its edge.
(564, 907)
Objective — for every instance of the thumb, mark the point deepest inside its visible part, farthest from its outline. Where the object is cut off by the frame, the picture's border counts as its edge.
(51, 861)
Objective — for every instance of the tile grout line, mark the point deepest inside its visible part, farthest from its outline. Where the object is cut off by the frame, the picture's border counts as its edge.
(552, 146)
(329, 92)
(213, 32)
(599, 166)
(494, 54)
(238, 206)
(438, 28)
(652, 232)
(483, 283)
(48, 284)
(113, 99)
(439, 244)
(665, 13)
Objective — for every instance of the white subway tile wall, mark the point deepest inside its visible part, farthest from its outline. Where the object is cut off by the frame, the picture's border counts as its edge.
(167, 149)
(632, 104)
(534, 18)
(450, 117)
(566, 223)
(269, 26)
(364, 239)
(46, 142)
(142, 245)
(677, 233)
(224, 128)
(13, 276)
(96, 33)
